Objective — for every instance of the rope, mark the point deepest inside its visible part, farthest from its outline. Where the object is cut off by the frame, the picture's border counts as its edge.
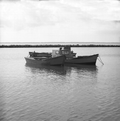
(100, 60)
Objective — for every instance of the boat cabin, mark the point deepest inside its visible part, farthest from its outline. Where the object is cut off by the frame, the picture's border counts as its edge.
(64, 51)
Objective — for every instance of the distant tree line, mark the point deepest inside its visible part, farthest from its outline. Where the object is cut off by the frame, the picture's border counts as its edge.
(58, 45)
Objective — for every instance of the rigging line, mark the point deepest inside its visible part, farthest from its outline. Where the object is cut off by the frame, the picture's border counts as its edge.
(100, 60)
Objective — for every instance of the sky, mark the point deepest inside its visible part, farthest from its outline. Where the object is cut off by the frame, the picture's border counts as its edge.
(60, 21)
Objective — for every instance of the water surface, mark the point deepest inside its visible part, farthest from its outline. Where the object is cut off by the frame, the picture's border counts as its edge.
(79, 93)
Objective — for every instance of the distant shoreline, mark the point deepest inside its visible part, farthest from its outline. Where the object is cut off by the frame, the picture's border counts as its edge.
(58, 45)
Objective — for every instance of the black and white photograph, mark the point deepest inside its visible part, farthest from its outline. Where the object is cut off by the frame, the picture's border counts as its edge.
(59, 60)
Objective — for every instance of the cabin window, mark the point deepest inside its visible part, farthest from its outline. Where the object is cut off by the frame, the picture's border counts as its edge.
(65, 52)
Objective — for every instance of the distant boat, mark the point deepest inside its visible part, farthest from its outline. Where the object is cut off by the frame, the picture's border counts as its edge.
(52, 61)
(81, 60)
(86, 60)
(70, 57)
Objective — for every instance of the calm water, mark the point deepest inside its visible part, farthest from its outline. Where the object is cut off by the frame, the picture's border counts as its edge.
(59, 93)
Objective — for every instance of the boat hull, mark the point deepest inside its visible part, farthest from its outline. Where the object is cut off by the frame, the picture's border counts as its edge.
(86, 60)
(56, 61)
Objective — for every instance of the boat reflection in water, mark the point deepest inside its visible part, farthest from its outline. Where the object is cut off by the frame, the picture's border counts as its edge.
(83, 72)
(47, 69)
(67, 70)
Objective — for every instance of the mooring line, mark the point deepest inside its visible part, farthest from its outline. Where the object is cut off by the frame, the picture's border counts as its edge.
(100, 60)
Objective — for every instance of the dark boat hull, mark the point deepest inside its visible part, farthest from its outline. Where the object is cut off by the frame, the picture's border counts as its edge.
(56, 61)
(86, 60)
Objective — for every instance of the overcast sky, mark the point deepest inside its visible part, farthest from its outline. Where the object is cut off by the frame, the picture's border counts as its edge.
(60, 21)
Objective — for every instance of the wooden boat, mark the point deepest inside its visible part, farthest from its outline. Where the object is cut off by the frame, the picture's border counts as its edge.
(52, 61)
(72, 59)
(58, 54)
(86, 60)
